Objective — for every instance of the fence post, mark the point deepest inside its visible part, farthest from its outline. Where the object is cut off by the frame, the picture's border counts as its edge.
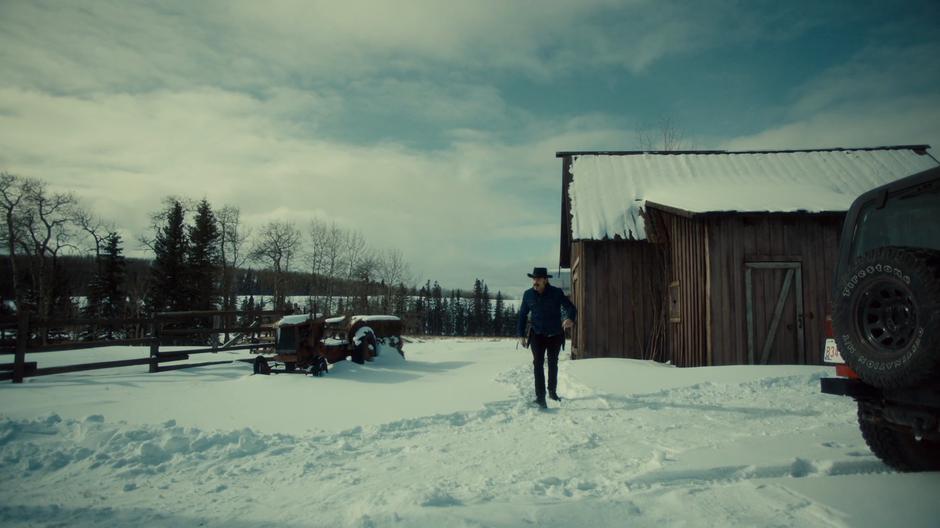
(155, 345)
(22, 339)
(214, 336)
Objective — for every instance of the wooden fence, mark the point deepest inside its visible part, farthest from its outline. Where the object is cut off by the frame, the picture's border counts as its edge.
(200, 328)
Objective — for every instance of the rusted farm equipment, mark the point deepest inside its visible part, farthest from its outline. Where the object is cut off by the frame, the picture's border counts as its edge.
(375, 329)
(309, 343)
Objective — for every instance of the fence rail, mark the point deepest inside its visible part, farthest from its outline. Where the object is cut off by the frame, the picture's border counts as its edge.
(32, 337)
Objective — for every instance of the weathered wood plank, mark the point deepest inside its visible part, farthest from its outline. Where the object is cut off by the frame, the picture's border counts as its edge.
(83, 345)
(90, 366)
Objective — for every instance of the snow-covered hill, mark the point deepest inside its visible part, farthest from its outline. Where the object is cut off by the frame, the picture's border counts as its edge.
(444, 438)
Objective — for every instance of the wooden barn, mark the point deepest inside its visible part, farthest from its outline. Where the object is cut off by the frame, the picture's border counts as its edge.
(711, 257)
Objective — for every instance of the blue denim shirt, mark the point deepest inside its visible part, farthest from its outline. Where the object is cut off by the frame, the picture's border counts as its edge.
(546, 310)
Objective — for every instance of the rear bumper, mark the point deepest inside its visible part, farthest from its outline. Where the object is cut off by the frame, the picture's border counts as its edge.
(853, 388)
(914, 409)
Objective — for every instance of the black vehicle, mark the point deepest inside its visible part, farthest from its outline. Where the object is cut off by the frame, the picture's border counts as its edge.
(885, 324)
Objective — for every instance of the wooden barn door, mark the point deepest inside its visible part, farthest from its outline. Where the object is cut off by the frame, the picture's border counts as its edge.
(775, 333)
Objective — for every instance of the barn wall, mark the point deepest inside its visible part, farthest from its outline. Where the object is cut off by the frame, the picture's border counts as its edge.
(616, 286)
(732, 240)
(686, 277)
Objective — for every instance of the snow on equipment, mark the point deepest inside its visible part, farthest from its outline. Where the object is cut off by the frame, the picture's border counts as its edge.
(375, 329)
(308, 344)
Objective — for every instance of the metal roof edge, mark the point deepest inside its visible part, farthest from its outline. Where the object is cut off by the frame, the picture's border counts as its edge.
(715, 212)
(565, 153)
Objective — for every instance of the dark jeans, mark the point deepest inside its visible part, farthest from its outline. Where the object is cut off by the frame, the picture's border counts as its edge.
(540, 344)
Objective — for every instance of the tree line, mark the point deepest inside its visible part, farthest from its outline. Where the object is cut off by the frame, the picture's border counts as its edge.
(207, 259)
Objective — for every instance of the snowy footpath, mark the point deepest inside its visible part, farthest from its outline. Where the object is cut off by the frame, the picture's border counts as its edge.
(445, 438)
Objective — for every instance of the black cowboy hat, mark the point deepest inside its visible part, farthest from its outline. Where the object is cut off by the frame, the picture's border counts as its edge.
(538, 273)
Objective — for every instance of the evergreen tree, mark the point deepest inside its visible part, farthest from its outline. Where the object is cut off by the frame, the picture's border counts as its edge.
(169, 274)
(447, 322)
(499, 321)
(386, 298)
(92, 308)
(460, 314)
(361, 301)
(510, 320)
(247, 307)
(113, 273)
(203, 260)
(424, 308)
(107, 289)
(486, 322)
(437, 310)
(246, 282)
(401, 301)
(476, 322)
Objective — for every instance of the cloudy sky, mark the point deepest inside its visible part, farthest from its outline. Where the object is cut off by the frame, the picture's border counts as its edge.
(432, 126)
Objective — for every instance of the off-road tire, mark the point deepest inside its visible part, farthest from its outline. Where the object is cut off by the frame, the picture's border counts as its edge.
(260, 366)
(886, 314)
(371, 345)
(357, 355)
(898, 448)
(361, 352)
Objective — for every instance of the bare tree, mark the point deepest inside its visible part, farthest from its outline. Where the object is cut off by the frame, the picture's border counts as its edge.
(277, 245)
(13, 192)
(47, 221)
(95, 227)
(663, 135)
(354, 251)
(331, 249)
(316, 231)
(392, 267)
(233, 236)
(365, 272)
(391, 270)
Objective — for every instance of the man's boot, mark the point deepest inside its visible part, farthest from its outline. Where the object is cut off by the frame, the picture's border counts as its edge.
(554, 395)
(541, 402)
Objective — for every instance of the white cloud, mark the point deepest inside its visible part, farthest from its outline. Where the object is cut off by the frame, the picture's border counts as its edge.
(882, 96)
(91, 46)
(123, 153)
(901, 121)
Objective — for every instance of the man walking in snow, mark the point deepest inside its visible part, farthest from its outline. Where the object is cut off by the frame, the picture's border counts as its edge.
(547, 332)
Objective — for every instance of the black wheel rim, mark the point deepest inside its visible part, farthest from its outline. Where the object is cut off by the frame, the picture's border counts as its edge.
(887, 315)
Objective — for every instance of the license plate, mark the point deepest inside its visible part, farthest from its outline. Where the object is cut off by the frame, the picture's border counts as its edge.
(831, 354)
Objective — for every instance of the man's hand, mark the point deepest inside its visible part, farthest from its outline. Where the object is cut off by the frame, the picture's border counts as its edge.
(522, 341)
(567, 324)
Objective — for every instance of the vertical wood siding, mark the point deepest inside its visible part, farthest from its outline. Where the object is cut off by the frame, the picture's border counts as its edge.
(811, 240)
(686, 257)
(617, 289)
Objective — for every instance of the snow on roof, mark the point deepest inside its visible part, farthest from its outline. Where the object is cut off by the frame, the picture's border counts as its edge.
(608, 191)
(368, 318)
(296, 319)
(335, 320)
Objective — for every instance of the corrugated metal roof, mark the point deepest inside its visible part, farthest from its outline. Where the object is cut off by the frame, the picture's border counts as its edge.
(609, 190)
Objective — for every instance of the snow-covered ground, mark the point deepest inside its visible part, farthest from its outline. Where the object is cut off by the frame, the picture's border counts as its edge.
(444, 438)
